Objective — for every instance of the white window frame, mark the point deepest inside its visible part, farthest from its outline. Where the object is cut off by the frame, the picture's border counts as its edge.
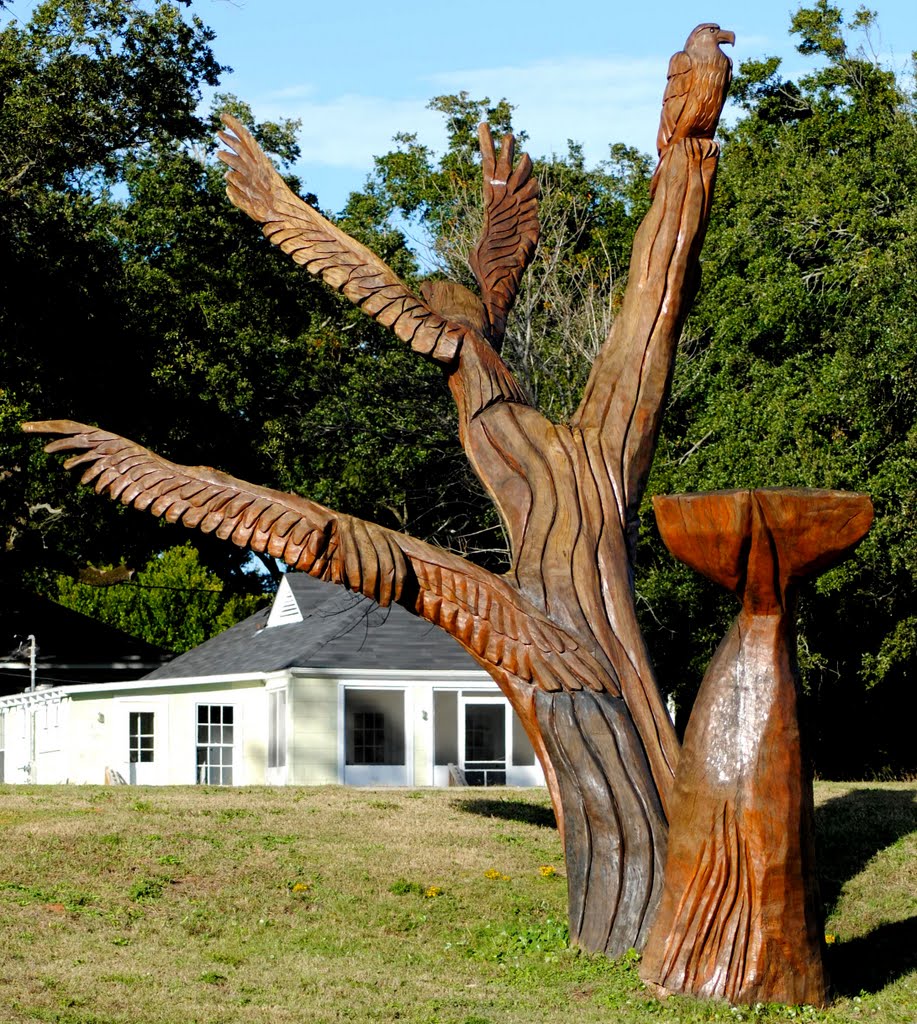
(205, 768)
(499, 766)
(277, 727)
(377, 775)
(140, 748)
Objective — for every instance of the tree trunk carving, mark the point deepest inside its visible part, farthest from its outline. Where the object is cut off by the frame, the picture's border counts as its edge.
(558, 633)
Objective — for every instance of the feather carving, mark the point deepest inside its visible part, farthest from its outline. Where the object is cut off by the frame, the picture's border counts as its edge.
(324, 250)
(510, 231)
(696, 87)
(491, 620)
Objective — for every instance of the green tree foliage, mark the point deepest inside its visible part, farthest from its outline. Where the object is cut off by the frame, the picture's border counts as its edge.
(174, 601)
(799, 368)
(165, 316)
(82, 85)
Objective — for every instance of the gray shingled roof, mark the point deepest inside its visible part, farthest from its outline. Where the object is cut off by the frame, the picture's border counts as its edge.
(340, 630)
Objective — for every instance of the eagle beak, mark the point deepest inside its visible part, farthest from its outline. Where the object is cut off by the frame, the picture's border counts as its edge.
(726, 37)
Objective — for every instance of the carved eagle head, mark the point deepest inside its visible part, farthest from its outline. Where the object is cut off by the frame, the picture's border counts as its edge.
(703, 43)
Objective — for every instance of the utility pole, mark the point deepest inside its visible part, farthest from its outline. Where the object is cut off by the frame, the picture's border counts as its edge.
(32, 652)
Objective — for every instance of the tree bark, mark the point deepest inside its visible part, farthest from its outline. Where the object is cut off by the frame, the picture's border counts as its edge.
(569, 495)
(558, 633)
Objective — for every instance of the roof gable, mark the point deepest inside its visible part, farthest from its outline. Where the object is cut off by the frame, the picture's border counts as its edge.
(331, 628)
(285, 609)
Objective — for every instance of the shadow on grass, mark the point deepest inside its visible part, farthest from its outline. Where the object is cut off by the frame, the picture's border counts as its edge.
(508, 810)
(851, 829)
(871, 962)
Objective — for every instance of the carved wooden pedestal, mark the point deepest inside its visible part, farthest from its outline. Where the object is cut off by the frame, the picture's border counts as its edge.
(739, 917)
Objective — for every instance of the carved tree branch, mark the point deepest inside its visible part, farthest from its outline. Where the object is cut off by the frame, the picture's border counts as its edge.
(559, 633)
(624, 398)
(570, 495)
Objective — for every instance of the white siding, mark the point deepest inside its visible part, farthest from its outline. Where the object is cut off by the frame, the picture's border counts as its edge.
(312, 743)
(99, 728)
(421, 715)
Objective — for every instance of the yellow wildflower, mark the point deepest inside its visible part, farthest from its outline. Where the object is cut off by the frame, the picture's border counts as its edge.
(495, 875)
(547, 871)
(301, 887)
(830, 939)
(432, 891)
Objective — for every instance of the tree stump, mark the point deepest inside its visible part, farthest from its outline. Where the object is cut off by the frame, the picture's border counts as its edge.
(739, 917)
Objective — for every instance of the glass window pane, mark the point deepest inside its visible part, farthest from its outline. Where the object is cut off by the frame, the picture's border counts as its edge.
(140, 736)
(374, 726)
(214, 744)
(485, 735)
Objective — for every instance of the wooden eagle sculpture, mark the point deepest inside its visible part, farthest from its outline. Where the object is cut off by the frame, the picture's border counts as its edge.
(558, 632)
(698, 81)
(447, 315)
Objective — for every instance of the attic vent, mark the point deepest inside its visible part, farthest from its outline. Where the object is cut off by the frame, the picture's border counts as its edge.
(284, 609)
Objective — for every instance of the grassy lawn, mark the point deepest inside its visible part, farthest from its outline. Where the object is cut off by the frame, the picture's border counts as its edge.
(199, 906)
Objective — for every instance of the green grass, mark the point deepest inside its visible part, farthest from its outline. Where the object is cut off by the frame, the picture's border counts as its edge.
(213, 906)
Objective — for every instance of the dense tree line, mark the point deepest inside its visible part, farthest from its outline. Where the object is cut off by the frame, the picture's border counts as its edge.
(138, 297)
(797, 367)
(168, 319)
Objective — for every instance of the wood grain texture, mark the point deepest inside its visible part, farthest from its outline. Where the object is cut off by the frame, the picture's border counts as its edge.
(569, 495)
(559, 632)
(617, 422)
(615, 828)
(739, 918)
(696, 87)
(510, 231)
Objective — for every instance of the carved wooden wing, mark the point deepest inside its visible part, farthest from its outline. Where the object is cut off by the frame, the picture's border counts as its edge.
(510, 231)
(678, 85)
(324, 250)
(482, 611)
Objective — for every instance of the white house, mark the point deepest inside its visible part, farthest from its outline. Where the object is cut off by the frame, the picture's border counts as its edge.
(322, 687)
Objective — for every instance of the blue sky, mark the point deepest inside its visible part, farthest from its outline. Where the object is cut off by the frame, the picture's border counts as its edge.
(356, 73)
